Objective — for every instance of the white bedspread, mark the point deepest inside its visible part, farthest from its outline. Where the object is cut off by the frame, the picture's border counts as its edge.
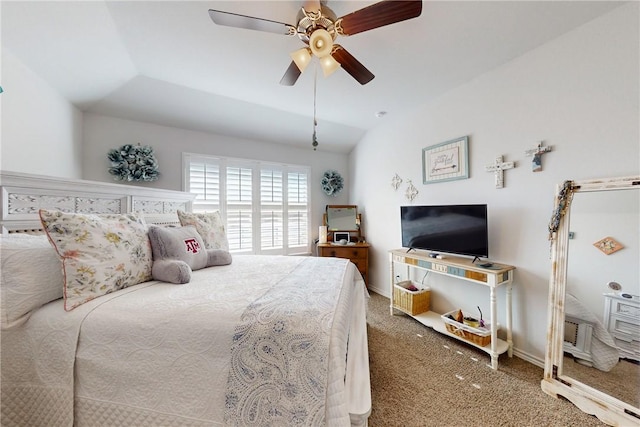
(37, 364)
(159, 354)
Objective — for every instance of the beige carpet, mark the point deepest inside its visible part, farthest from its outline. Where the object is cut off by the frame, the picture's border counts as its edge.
(422, 378)
(619, 382)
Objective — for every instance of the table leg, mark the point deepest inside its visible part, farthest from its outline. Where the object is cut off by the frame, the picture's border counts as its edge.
(391, 281)
(509, 321)
(494, 330)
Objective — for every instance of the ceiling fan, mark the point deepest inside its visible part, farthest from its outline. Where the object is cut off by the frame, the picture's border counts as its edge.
(318, 27)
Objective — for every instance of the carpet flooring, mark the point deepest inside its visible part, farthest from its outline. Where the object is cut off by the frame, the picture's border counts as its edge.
(420, 377)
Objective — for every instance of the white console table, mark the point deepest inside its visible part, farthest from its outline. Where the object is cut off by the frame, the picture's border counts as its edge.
(464, 269)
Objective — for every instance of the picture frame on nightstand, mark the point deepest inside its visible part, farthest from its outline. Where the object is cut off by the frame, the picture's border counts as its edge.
(340, 235)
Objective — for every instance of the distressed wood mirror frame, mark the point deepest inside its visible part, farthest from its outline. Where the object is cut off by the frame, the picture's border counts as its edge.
(343, 218)
(590, 400)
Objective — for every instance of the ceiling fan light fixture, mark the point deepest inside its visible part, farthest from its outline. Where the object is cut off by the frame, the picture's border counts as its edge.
(302, 58)
(329, 65)
(321, 43)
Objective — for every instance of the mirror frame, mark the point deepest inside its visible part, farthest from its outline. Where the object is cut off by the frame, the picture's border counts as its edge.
(356, 217)
(607, 408)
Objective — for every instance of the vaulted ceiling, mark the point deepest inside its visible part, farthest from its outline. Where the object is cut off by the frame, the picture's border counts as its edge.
(166, 62)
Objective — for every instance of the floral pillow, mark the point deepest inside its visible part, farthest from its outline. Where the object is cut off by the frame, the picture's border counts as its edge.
(209, 226)
(100, 253)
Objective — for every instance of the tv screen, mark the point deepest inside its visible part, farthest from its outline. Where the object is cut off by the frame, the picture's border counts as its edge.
(454, 229)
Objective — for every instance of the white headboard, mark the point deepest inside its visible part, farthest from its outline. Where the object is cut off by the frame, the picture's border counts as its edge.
(24, 194)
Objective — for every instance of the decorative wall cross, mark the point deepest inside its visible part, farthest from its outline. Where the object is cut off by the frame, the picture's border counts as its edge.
(396, 181)
(498, 167)
(411, 191)
(536, 162)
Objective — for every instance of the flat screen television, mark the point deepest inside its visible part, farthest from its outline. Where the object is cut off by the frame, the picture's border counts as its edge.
(452, 229)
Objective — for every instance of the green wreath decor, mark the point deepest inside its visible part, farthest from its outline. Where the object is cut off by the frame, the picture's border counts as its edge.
(332, 183)
(133, 163)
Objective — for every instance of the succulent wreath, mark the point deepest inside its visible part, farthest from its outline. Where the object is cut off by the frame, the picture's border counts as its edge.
(332, 183)
(133, 163)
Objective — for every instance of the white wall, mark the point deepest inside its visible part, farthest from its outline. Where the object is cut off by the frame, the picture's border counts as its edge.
(44, 134)
(578, 94)
(102, 133)
(41, 130)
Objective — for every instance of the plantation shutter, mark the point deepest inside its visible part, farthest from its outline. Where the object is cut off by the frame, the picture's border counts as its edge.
(271, 209)
(239, 208)
(204, 180)
(265, 207)
(297, 209)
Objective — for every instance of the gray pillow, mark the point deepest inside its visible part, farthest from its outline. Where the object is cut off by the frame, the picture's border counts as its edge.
(178, 244)
(218, 257)
(171, 270)
(179, 250)
(181, 243)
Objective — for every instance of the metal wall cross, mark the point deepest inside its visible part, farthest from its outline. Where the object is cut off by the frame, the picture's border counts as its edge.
(536, 162)
(498, 167)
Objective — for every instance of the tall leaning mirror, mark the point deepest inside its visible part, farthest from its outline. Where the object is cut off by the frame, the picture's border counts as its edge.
(593, 349)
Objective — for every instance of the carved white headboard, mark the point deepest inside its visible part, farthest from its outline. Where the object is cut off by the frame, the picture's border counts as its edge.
(24, 194)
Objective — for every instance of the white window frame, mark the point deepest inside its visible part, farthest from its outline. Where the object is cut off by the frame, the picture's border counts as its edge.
(256, 166)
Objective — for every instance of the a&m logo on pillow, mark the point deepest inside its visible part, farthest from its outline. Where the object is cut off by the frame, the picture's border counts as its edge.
(192, 245)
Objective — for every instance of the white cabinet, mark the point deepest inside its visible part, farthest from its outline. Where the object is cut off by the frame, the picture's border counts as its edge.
(463, 269)
(622, 320)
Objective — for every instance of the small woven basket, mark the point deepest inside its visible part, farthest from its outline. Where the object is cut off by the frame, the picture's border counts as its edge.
(478, 336)
(410, 302)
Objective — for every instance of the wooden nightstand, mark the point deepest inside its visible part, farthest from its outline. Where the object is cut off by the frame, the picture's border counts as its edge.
(357, 254)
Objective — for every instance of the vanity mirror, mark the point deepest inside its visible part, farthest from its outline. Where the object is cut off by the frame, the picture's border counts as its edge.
(593, 349)
(342, 218)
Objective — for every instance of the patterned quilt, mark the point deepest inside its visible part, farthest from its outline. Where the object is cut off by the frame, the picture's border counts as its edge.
(259, 342)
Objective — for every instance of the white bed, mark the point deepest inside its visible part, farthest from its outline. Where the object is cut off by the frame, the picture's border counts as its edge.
(591, 343)
(266, 340)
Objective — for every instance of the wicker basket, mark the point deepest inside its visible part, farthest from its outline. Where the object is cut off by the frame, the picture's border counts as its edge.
(411, 302)
(479, 336)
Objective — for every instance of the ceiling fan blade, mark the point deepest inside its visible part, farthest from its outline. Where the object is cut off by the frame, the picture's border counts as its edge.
(380, 14)
(291, 75)
(250, 23)
(352, 66)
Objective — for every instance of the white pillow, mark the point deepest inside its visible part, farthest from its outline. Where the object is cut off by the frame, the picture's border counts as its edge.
(100, 253)
(209, 225)
(31, 275)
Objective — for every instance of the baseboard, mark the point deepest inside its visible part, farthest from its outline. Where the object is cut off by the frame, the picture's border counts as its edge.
(528, 358)
(383, 292)
(516, 352)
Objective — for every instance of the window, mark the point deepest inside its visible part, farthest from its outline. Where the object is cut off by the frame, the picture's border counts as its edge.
(271, 209)
(265, 206)
(239, 208)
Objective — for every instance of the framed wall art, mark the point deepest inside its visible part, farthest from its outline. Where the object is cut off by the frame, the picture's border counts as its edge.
(446, 161)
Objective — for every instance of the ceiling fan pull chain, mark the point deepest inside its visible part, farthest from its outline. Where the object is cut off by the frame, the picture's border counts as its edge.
(314, 140)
